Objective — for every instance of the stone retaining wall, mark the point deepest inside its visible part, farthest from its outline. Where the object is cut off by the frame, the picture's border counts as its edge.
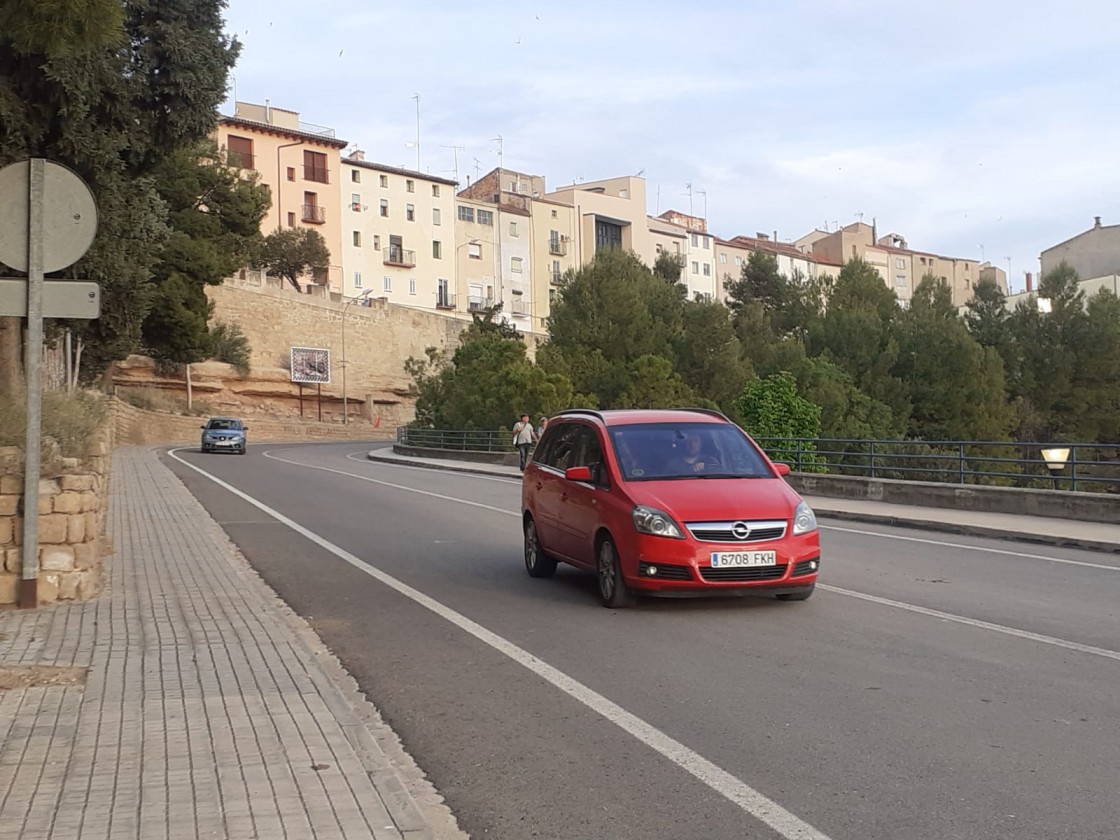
(71, 524)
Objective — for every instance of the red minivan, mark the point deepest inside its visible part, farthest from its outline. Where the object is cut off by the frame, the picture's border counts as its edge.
(665, 502)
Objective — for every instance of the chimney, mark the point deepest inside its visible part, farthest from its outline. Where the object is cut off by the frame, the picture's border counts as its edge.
(267, 112)
(761, 235)
(357, 154)
(775, 236)
(1096, 221)
(1030, 283)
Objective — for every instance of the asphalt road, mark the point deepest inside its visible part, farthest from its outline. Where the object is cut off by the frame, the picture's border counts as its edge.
(934, 688)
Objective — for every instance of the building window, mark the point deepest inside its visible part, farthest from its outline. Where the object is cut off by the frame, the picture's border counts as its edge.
(376, 242)
(739, 262)
(707, 269)
(355, 201)
(474, 250)
(410, 185)
(485, 217)
(900, 263)
(387, 283)
(923, 260)
(966, 266)
(385, 181)
(410, 212)
(436, 217)
(291, 173)
(900, 281)
(695, 267)
(513, 229)
(608, 235)
(437, 249)
(357, 279)
(435, 190)
(554, 214)
(707, 242)
(466, 214)
(315, 167)
(552, 294)
(723, 259)
(385, 207)
(239, 152)
(355, 176)
(357, 239)
(291, 220)
(515, 265)
(411, 286)
(695, 241)
(443, 294)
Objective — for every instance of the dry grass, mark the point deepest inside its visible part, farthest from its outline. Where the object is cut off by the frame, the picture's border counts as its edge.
(70, 419)
(155, 399)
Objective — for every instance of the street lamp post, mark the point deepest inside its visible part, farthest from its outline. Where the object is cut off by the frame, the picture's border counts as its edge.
(459, 248)
(345, 402)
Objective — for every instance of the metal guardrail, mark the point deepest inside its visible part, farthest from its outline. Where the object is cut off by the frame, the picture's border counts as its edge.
(456, 440)
(1084, 467)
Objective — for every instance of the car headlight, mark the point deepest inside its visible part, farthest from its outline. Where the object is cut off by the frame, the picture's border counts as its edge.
(804, 520)
(656, 523)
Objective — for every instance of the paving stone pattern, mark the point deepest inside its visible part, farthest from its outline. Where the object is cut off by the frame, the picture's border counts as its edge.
(207, 711)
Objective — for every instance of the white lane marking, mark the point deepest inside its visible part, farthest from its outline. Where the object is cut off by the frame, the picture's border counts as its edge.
(362, 459)
(875, 599)
(974, 622)
(272, 457)
(971, 547)
(787, 824)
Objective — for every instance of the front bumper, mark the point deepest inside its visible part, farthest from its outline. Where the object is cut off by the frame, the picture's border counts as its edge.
(679, 566)
(224, 443)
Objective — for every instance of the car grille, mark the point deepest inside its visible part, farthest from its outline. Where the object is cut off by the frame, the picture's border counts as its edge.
(724, 532)
(748, 573)
(805, 567)
(665, 572)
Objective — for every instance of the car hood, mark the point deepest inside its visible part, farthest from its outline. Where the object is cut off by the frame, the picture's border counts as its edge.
(718, 499)
(224, 432)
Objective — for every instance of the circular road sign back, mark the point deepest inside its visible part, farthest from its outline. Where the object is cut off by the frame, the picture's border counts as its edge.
(69, 216)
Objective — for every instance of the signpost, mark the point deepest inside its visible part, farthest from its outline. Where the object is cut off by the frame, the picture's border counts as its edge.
(311, 365)
(48, 220)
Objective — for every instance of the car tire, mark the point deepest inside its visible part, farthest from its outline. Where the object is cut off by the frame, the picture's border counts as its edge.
(241, 451)
(613, 591)
(803, 595)
(537, 563)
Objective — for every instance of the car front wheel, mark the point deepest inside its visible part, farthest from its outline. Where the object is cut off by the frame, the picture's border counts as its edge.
(613, 591)
(537, 563)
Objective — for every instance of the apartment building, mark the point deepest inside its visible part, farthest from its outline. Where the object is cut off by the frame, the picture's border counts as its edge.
(697, 250)
(554, 233)
(399, 229)
(477, 259)
(299, 163)
(1093, 253)
(609, 214)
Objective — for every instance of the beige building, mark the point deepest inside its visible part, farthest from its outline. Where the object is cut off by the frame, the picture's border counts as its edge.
(733, 254)
(1094, 253)
(554, 232)
(609, 214)
(697, 251)
(398, 236)
(477, 258)
(299, 163)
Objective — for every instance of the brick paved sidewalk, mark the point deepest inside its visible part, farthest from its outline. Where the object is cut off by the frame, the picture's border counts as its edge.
(209, 709)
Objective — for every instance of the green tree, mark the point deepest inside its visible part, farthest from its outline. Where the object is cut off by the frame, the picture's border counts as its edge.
(709, 358)
(610, 313)
(760, 280)
(771, 409)
(291, 253)
(668, 267)
(1100, 369)
(956, 386)
(652, 383)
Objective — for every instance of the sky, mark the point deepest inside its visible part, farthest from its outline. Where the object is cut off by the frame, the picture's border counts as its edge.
(984, 129)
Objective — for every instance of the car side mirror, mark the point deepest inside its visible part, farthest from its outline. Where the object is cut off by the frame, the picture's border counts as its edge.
(202, 427)
(578, 474)
(783, 469)
(244, 428)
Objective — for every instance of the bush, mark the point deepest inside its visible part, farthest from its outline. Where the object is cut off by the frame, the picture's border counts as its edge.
(228, 344)
(70, 419)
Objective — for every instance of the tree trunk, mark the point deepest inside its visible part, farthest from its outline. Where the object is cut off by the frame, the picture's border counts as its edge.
(77, 365)
(11, 357)
(190, 395)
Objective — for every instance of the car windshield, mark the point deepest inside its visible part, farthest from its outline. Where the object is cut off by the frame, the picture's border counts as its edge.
(225, 424)
(663, 451)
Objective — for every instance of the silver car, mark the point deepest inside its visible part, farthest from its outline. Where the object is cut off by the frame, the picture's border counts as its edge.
(224, 434)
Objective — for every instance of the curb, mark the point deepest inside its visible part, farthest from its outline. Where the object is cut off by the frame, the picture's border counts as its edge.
(842, 515)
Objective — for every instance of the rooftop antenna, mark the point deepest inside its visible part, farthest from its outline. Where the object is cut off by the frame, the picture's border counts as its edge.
(982, 257)
(477, 168)
(859, 215)
(501, 153)
(455, 152)
(705, 194)
(658, 210)
(689, 193)
(416, 96)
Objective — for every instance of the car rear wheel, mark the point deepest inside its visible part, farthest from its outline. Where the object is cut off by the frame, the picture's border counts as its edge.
(803, 595)
(613, 591)
(537, 563)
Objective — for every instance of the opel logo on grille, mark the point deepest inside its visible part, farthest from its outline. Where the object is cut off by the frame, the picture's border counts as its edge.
(740, 530)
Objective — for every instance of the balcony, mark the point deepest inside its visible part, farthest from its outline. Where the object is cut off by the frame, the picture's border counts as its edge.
(476, 303)
(401, 257)
(445, 301)
(319, 174)
(314, 214)
(557, 247)
(241, 160)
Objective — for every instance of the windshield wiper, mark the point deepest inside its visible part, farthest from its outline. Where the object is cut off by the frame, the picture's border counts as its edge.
(726, 475)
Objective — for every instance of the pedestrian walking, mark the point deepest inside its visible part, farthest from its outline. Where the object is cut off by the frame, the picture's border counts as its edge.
(523, 437)
(542, 427)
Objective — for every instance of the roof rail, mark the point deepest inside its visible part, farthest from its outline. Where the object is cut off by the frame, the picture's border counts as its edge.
(710, 411)
(570, 411)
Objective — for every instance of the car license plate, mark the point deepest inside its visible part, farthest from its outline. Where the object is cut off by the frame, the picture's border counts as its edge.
(730, 559)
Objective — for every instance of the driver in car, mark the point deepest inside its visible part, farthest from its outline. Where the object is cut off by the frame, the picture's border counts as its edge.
(692, 459)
